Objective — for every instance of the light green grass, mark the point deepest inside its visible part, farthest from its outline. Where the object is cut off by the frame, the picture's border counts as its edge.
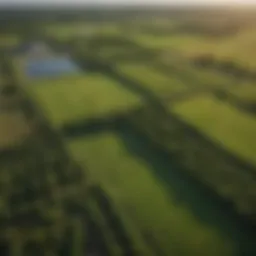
(68, 99)
(65, 31)
(136, 192)
(151, 79)
(245, 92)
(239, 47)
(231, 128)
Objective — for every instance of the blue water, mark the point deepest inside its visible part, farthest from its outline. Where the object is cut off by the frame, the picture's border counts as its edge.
(51, 67)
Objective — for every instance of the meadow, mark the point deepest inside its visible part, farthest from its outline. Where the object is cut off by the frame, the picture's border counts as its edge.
(137, 194)
(77, 98)
(154, 78)
(239, 47)
(245, 93)
(224, 124)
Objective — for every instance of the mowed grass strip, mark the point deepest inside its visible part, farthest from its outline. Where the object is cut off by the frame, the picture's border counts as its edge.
(151, 79)
(138, 195)
(69, 99)
(232, 129)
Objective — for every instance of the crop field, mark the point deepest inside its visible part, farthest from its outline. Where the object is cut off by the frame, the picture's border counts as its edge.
(238, 47)
(232, 129)
(77, 98)
(246, 93)
(152, 80)
(136, 192)
(128, 132)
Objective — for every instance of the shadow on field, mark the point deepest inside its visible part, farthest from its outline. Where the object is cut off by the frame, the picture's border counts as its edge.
(206, 205)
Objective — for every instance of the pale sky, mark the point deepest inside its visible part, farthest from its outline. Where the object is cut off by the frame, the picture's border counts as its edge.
(126, 2)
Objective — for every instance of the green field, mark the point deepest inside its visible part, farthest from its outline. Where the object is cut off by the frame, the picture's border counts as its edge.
(69, 99)
(136, 192)
(246, 93)
(224, 124)
(149, 78)
(106, 160)
(239, 47)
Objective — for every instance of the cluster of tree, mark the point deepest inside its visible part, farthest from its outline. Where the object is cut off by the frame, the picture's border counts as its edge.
(225, 66)
(206, 29)
(44, 196)
(231, 178)
(37, 179)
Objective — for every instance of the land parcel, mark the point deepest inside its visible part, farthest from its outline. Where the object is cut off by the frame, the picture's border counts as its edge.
(74, 98)
(225, 125)
(144, 204)
(151, 79)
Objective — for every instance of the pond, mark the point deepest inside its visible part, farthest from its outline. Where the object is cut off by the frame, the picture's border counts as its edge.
(50, 67)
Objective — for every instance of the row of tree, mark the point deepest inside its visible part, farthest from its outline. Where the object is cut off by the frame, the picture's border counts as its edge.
(231, 178)
(226, 66)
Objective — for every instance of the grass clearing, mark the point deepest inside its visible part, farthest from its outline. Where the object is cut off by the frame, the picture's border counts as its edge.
(74, 98)
(138, 195)
(151, 79)
(239, 47)
(245, 93)
(221, 122)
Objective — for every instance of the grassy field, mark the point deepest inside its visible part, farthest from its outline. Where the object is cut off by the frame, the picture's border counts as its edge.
(151, 79)
(223, 123)
(136, 193)
(68, 31)
(239, 47)
(68, 99)
(246, 93)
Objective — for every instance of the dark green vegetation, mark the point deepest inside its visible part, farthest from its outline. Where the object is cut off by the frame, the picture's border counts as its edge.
(150, 151)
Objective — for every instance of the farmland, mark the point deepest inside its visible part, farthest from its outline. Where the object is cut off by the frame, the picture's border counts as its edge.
(222, 123)
(150, 210)
(81, 98)
(152, 80)
(123, 136)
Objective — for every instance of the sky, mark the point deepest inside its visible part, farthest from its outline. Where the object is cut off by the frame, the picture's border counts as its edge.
(126, 2)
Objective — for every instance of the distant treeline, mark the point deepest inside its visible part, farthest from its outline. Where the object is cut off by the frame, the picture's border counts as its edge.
(226, 66)
(231, 178)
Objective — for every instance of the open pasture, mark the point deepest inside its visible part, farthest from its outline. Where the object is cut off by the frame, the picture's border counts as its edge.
(149, 78)
(146, 203)
(224, 124)
(75, 98)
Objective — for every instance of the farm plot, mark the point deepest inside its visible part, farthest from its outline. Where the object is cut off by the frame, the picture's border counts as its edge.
(149, 78)
(137, 195)
(221, 122)
(70, 99)
(245, 93)
(239, 47)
